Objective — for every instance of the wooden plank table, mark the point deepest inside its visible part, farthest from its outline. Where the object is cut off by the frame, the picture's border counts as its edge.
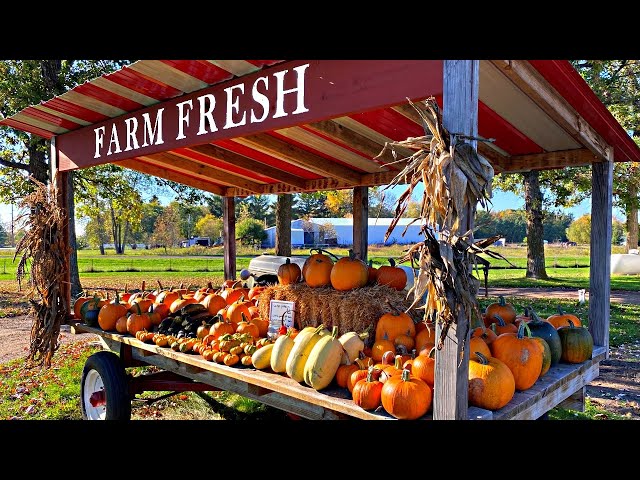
(562, 382)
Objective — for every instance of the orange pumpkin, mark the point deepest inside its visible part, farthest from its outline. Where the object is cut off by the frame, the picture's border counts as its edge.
(121, 324)
(344, 372)
(380, 347)
(110, 313)
(213, 302)
(395, 323)
(158, 312)
(423, 367)
(246, 326)
(181, 302)
(367, 392)
(317, 269)
(499, 326)
(221, 327)
(137, 322)
(236, 310)
(349, 273)
(522, 354)
(406, 397)
(167, 296)
(373, 273)
(289, 273)
(477, 344)
(255, 291)
(485, 334)
(393, 276)
(426, 336)
(502, 308)
(491, 383)
(561, 319)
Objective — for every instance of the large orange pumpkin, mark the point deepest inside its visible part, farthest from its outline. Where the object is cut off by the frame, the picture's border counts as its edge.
(213, 302)
(522, 354)
(110, 313)
(502, 308)
(316, 270)
(181, 302)
(395, 323)
(406, 397)
(349, 273)
(491, 383)
(563, 319)
(289, 273)
(394, 277)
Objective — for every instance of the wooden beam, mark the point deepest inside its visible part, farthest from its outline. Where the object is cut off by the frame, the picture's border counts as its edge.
(290, 153)
(549, 160)
(366, 180)
(201, 170)
(529, 80)
(575, 401)
(353, 139)
(169, 174)
(234, 158)
(600, 252)
(284, 204)
(460, 115)
(361, 222)
(229, 237)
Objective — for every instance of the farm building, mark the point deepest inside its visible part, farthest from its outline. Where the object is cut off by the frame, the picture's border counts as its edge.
(339, 231)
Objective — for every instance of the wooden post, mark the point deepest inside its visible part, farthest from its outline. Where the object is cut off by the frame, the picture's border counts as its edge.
(61, 185)
(361, 222)
(229, 237)
(460, 115)
(283, 224)
(600, 252)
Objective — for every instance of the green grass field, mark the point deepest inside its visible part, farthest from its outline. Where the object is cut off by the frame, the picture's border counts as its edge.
(199, 265)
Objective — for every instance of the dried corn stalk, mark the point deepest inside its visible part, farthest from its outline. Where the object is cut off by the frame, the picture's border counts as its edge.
(45, 259)
(455, 180)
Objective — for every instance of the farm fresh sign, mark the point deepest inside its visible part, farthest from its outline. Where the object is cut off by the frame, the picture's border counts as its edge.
(280, 96)
(248, 102)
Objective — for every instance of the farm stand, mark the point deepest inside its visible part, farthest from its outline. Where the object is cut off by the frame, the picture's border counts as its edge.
(238, 128)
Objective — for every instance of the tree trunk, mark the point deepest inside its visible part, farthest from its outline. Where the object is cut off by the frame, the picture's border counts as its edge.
(76, 286)
(38, 165)
(102, 249)
(283, 224)
(632, 219)
(535, 229)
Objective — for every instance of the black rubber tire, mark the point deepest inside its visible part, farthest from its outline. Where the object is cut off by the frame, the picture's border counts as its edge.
(114, 378)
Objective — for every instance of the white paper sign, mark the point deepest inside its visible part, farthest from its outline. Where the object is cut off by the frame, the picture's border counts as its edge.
(278, 309)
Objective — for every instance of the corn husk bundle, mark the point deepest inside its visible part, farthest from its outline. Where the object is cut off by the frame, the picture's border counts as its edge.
(46, 259)
(355, 310)
(455, 180)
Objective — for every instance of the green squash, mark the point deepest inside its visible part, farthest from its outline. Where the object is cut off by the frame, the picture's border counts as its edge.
(577, 343)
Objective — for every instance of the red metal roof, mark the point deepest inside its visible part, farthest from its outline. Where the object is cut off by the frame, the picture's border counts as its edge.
(348, 142)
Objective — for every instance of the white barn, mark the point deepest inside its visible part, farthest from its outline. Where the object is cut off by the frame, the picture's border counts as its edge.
(343, 228)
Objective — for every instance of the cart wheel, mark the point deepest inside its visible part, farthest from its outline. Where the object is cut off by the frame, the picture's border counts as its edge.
(104, 388)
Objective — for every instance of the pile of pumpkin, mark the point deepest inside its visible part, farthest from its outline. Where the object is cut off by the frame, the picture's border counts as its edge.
(143, 310)
(346, 273)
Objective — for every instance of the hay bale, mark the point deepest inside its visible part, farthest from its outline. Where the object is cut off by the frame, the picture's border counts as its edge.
(354, 310)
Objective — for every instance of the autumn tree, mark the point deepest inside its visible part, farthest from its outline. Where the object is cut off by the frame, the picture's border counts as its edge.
(4, 236)
(580, 230)
(166, 231)
(210, 226)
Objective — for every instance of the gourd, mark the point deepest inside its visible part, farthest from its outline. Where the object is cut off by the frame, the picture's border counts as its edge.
(324, 360)
(406, 397)
(301, 350)
(394, 277)
(353, 344)
(561, 319)
(577, 343)
(502, 308)
(545, 330)
(261, 358)
(367, 392)
(281, 350)
(110, 313)
(394, 323)
(316, 269)
(289, 273)
(349, 273)
(491, 383)
(522, 354)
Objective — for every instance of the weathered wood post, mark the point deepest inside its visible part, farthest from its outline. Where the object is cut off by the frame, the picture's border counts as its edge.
(459, 115)
(60, 181)
(283, 224)
(229, 237)
(361, 222)
(600, 251)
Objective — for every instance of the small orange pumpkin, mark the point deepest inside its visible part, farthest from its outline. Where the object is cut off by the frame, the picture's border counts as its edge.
(502, 308)
(316, 269)
(562, 319)
(349, 273)
(406, 397)
(393, 276)
(289, 273)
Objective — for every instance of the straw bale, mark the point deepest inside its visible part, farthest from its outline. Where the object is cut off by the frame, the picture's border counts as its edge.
(354, 310)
